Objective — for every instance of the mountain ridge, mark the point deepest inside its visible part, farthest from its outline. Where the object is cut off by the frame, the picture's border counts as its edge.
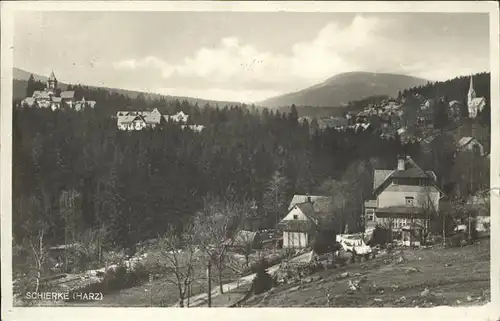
(342, 88)
(21, 76)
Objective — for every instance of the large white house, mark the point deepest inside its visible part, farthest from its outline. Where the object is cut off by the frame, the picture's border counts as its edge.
(403, 196)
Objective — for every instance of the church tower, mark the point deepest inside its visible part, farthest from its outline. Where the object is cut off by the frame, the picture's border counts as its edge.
(472, 94)
(52, 82)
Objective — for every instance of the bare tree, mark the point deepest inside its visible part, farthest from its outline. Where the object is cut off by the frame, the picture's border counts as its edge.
(217, 225)
(246, 242)
(175, 257)
(275, 197)
(40, 255)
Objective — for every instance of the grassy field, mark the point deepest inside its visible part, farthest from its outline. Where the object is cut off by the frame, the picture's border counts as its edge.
(163, 293)
(425, 278)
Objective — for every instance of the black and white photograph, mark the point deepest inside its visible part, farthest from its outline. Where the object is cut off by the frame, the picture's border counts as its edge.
(255, 157)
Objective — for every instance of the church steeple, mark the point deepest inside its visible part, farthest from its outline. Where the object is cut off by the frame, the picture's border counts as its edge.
(472, 94)
(52, 81)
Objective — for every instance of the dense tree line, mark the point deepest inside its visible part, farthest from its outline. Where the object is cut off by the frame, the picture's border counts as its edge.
(137, 184)
(74, 171)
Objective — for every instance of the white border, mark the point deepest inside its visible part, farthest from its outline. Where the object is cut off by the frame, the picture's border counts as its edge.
(489, 312)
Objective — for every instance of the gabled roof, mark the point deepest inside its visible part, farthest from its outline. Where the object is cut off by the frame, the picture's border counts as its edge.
(44, 95)
(36, 93)
(29, 100)
(410, 173)
(380, 176)
(414, 171)
(244, 237)
(128, 119)
(464, 141)
(307, 209)
(319, 202)
(475, 102)
(69, 94)
(454, 102)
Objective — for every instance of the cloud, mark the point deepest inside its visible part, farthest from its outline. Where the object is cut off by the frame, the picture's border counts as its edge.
(235, 65)
(148, 62)
(241, 71)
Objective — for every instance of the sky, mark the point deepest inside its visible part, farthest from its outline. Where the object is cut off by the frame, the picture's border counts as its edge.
(245, 56)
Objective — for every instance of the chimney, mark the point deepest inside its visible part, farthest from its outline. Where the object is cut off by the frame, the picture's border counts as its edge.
(401, 163)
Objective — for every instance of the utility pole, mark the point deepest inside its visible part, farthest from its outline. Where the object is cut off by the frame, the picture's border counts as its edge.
(444, 230)
(209, 277)
(150, 289)
(189, 293)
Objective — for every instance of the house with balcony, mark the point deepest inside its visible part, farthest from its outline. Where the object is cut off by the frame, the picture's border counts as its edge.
(403, 196)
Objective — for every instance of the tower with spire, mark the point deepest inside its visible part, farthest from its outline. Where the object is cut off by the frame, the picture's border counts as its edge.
(474, 103)
(52, 82)
(472, 93)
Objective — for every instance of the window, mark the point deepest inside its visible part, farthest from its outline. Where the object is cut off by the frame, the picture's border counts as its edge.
(295, 217)
(409, 200)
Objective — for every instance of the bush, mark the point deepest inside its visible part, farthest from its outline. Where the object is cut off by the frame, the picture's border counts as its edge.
(381, 236)
(324, 241)
(263, 281)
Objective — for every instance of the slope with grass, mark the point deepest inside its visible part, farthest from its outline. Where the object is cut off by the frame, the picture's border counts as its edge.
(425, 278)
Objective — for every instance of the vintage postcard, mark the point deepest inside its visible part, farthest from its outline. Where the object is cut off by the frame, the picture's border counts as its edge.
(165, 156)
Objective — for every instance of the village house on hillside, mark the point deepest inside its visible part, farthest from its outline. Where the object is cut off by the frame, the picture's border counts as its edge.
(470, 144)
(475, 104)
(305, 212)
(403, 196)
(52, 98)
(138, 120)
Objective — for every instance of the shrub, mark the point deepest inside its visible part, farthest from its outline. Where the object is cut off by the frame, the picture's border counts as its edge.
(381, 236)
(324, 241)
(263, 281)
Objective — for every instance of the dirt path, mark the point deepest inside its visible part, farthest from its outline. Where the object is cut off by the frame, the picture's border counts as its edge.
(200, 299)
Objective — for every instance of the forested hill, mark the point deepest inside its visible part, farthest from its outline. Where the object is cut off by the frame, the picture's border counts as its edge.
(135, 185)
(340, 89)
(74, 172)
(454, 89)
(21, 83)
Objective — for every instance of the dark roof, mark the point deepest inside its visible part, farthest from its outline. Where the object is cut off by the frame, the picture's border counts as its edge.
(410, 173)
(244, 237)
(380, 176)
(318, 201)
(308, 209)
